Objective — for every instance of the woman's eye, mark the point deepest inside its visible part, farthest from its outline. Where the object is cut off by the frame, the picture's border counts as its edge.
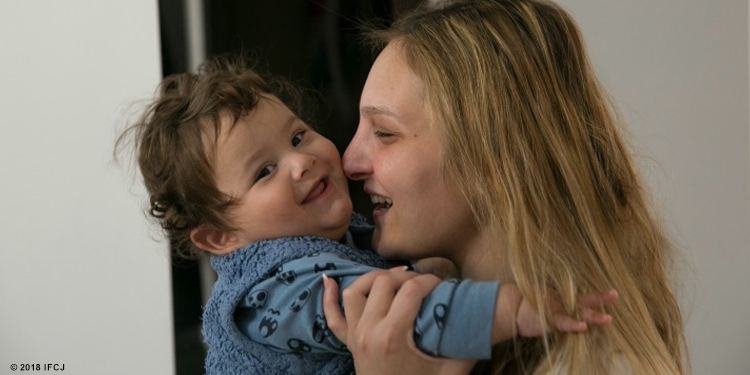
(382, 134)
(297, 139)
(265, 171)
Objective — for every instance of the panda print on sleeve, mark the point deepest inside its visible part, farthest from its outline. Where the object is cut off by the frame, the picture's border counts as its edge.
(285, 311)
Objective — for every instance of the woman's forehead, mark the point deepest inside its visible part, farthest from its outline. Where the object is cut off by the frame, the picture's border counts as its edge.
(392, 87)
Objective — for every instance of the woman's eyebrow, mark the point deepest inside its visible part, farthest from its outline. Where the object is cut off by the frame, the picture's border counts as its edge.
(374, 110)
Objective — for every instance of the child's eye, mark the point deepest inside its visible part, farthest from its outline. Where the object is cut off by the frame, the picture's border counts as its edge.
(265, 171)
(297, 139)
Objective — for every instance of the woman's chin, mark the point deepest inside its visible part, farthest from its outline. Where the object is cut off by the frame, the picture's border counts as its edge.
(381, 247)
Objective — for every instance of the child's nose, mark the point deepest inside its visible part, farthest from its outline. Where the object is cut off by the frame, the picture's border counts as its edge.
(301, 163)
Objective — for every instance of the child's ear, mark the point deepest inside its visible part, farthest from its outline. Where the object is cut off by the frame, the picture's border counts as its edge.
(213, 240)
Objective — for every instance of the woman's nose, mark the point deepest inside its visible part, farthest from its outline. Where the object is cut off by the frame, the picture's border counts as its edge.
(357, 158)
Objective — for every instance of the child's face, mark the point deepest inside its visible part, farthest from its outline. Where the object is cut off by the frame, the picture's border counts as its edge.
(287, 179)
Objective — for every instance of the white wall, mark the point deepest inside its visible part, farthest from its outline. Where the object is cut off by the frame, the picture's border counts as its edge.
(82, 283)
(679, 71)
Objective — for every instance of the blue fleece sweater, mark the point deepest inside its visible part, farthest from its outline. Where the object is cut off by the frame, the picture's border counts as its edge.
(281, 333)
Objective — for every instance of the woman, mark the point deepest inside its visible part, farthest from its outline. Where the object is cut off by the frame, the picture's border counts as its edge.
(485, 138)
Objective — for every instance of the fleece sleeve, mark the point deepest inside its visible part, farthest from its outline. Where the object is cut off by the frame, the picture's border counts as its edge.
(285, 311)
(455, 320)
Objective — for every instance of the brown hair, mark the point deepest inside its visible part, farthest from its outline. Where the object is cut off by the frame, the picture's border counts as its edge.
(169, 142)
(533, 142)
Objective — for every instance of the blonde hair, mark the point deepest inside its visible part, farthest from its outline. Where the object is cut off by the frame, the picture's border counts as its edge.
(532, 141)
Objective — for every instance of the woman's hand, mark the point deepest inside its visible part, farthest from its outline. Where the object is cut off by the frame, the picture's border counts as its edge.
(378, 329)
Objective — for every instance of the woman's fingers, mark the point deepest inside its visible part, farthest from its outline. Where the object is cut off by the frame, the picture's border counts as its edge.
(372, 293)
(392, 328)
(380, 293)
(334, 317)
(376, 287)
(380, 334)
(408, 300)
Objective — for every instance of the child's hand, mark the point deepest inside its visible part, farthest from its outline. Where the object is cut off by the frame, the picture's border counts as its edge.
(529, 324)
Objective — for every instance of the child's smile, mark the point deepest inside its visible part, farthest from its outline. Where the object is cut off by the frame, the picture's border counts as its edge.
(318, 190)
(286, 179)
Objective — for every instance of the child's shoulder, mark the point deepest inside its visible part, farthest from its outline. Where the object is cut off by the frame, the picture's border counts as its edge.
(359, 220)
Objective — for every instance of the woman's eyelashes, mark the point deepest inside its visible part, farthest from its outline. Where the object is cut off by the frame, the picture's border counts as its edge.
(384, 136)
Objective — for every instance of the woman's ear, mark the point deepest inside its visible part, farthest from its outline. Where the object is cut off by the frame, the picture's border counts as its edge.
(213, 240)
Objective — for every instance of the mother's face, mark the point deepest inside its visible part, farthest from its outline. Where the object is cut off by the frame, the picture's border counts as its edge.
(397, 155)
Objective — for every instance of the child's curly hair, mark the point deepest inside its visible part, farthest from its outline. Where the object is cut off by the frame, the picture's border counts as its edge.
(169, 141)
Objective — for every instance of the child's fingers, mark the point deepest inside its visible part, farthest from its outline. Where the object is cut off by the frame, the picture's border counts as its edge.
(597, 318)
(564, 323)
(610, 296)
(334, 317)
(592, 302)
(598, 300)
(589, 304)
